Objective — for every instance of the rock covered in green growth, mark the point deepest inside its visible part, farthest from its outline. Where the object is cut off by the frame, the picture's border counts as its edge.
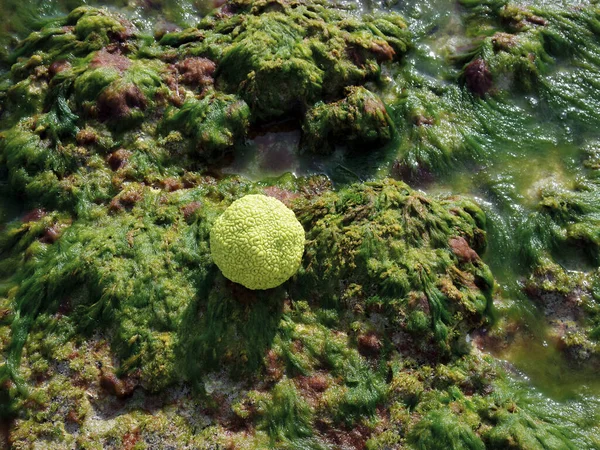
(66, 118)
(84, 30)
(359, 118)
(53, 176)
(282, 57)
(564, 217)
(215, 123)
(571, 306)
(385, 243)
(102, 260)
(93, 71)
(441, 125)
(76, 380)
(471, 402)
(257, 242)
(442, 428)
(534, 49)
(552, 241)
(94, 25)
(571, 218)
(118, 90)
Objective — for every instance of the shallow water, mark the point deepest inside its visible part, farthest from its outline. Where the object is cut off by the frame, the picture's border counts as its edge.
(544, 150)
(507, 185)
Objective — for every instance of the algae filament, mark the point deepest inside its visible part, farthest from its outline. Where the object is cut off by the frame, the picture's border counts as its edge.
(472, 228)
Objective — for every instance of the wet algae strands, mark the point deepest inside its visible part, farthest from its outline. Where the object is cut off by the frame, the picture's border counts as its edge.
(117, 330)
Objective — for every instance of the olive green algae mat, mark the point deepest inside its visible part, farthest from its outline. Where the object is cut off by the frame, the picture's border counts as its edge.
(443, 158)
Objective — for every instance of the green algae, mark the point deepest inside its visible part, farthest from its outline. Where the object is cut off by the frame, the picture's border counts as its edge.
(359, 119)
(215, 123)
(442, 428)
(548, 50)
(368, 345)
(283, 59)
(354, 243)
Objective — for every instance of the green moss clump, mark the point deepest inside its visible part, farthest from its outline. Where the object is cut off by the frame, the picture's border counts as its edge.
(286, 415)
(442, 428)
(367, 236)
(93, 25)
(286, 56)
(359, 119)
(531, 49)
(215, 123)
(119, 95)
(282, 58)
(84, 30)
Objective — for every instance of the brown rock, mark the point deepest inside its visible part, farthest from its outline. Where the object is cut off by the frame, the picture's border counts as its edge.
(171, 184)
(383, 51)
(86, 137)
(284, 196)
(34, 215)
(113, 60)
(196, 72)
(58, 66)
(189, 209)
(118, 159)
(478, 77)
(369, 345)
(121, 388)
(51, 234)
(460, 247)
(117, 102)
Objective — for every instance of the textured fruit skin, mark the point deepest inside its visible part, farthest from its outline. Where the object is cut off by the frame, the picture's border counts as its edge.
(257, 242)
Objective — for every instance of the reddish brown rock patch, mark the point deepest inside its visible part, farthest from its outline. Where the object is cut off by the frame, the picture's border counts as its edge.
(196, 72)
(117, 103)
(86, 137)
(34, 215)
(478, 77)
(121, 388)
(118, 159)
(172, 184)
(284, 196)
(103, 58)
(369, 345)
(354, 438)
(58, 66)
(382, 51)
(461, 248)
(190, 209)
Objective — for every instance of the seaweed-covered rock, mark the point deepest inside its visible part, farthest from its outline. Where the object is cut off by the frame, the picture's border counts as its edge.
(516, 66)
(118, 331)
(283, 57)
(117, 90)
(525, 47)
(359, 119)
(442, 125)
(93, 70)
(290, 55)
(571, 308)
(362, 248)
(418, 279)
(215, 122)
(91, 275)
